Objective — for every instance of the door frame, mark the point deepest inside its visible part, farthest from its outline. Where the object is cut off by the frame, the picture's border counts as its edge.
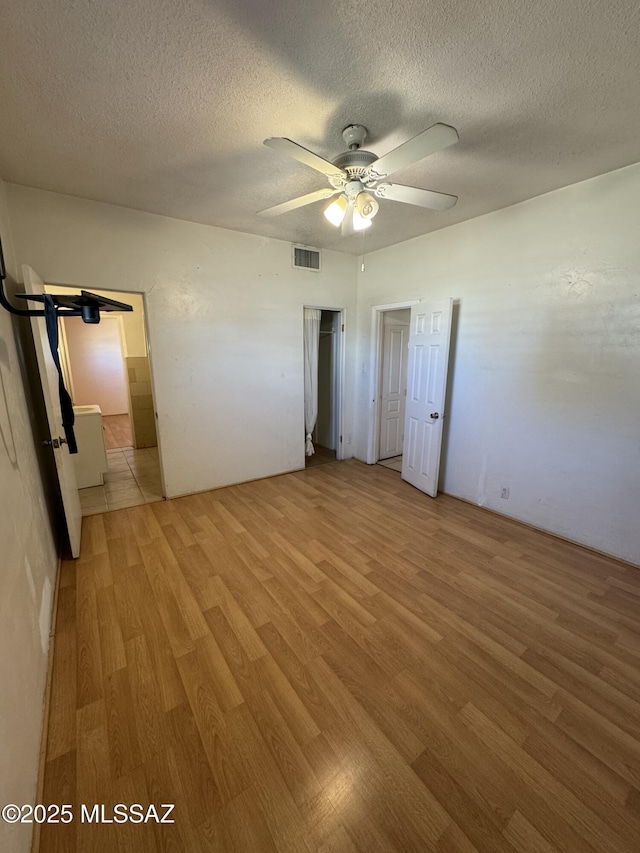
(339, 369)
(65, 361)
(147, 336)
(388, 325)
(375, 371)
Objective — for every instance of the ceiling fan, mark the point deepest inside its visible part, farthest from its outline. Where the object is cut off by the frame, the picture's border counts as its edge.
(359, 178)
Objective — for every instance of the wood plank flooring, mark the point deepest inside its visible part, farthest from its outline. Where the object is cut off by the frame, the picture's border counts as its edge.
(330, 661)
(117, 431)
(322, 456)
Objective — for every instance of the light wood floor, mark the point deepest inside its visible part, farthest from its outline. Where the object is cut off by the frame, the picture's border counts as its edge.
(117, 431)
(330, 661)
(321, 457)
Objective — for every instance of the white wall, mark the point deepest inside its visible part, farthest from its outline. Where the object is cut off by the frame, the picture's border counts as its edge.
(28, 564)
(545, 372)
(97, 364)
(224, 315)
(544, 390)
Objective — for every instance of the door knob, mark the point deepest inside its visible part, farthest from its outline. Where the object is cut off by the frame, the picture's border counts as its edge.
(54, 442)
(434, 415)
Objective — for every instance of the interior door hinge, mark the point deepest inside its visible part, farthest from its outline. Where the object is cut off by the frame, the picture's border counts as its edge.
(343, 327)
(340, 439)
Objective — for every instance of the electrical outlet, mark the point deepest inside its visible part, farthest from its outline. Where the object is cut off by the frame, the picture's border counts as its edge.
(348, 438)
(504, 493)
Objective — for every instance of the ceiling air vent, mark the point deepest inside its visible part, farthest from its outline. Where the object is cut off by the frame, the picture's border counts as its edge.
(306, 258)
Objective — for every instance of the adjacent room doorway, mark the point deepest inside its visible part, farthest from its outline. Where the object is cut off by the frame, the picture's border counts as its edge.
(418, 432)
(393, 386)
(327, 433)
(94, 364)
(107, 371)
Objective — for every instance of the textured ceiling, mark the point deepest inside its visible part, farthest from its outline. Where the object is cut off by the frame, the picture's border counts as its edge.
(162, 105)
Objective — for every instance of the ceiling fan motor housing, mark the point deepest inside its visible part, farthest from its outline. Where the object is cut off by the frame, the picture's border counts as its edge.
(354, 159)
(355, 163)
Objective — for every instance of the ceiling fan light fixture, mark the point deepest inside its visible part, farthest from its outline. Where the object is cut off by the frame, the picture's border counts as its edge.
(366, 205)
(359, 178)
(335, 212)
(360, 223)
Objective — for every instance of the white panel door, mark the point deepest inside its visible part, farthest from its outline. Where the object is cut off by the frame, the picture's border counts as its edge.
(392, 392)
(49, 380)
(429, 337)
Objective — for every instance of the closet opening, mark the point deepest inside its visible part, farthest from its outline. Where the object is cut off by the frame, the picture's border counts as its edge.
(323, 385)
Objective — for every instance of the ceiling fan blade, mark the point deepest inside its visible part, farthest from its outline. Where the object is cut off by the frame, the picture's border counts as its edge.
(292, 149)
(347, 229)
(301, 201)
(435, 138)
(414, 195)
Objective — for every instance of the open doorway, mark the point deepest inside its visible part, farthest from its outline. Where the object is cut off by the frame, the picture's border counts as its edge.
(428, 344)
(390, 326)
(108, 374)
(94, 359)
(393, 386)
(326, 434)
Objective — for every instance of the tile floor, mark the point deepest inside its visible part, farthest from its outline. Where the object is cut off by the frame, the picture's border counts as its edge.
(395, 463)
(117, 432)
(133, 478)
